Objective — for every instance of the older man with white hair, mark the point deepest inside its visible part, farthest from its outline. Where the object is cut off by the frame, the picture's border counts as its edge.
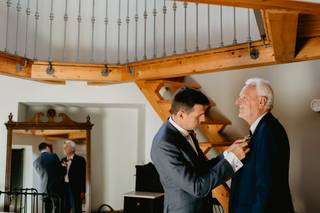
(75, 178)
(261, 186)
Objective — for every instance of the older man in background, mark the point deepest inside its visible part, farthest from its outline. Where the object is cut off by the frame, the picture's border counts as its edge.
(75, 178)
(261, 186)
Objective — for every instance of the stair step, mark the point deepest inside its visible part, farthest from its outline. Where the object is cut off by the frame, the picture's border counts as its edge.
(213, 121)
(165, 104)
(193, 85)
(174, 85)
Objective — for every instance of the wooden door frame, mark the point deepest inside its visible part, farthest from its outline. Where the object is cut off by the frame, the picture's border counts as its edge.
(37, 123)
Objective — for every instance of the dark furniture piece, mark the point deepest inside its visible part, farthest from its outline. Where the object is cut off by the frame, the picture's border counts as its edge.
(149, 196)
(143, 202)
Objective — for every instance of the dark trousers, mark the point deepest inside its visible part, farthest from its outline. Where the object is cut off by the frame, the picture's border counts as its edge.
(52, 204)
(72, 200)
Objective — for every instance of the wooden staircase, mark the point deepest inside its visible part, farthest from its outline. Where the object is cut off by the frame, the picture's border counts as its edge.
(211, 128)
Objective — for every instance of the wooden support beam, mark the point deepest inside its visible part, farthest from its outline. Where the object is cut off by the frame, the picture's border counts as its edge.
(214, 60)
(150, 89)
(82, 72)
(292, 5)
(282, 27)
(228, 58)
(14, 65)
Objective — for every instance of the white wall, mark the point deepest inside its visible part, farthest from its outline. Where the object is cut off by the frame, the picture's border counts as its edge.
(123, 122)
(295, 86)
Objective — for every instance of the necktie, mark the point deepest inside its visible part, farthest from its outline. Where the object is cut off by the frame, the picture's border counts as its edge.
(248, 137)
(193, 142)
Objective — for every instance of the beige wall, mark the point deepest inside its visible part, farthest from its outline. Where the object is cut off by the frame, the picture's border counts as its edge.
(295, 85)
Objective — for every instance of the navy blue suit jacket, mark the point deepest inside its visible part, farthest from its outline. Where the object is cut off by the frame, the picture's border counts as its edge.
(261, 185)
(187, 178)
(50, 171)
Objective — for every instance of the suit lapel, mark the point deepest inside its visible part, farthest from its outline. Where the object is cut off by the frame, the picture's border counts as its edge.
(183, 144)
(265, 118)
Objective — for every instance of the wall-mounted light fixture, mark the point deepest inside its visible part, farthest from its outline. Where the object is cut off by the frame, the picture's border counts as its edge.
(315, 105)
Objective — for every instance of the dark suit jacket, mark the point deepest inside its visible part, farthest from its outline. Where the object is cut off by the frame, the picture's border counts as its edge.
(187, 178)
(77, 174)
(261, 185)
(51, 172)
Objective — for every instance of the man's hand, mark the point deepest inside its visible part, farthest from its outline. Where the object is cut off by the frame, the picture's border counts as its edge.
(239, 148)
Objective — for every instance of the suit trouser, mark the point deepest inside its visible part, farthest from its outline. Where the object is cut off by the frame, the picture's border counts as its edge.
(71, 200)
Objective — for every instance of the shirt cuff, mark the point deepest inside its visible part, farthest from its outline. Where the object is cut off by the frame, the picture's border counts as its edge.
(233, 160)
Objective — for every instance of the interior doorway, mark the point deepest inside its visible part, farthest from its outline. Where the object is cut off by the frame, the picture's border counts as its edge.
(17, 168)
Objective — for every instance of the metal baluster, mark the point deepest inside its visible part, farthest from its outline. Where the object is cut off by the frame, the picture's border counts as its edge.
(164, 10)
(119, 26)
(209, 27)
(185, 6)
(234, 26)
(221, 27)
(106, 21)
(127, 21)
(51, 17)
(37, 16)
(93, 20)
(28, 12)
(154, 29)
(197, 26)
(136, 18)
(7, 25)
(145, 16)
(174, 6)
(249, 30)
(17, 26)
(65, 18)
(79, 25)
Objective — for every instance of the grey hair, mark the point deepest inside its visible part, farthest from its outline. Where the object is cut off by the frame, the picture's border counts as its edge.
(263, 88)
(71, 143)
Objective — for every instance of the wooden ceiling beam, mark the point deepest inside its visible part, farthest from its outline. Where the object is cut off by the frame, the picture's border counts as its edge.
(228, 58)
(82, 72)
(293, 5)
(213, 60)
(282, 28)
(16, 66)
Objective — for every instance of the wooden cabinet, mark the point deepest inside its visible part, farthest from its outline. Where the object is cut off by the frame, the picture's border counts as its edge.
(143, 202)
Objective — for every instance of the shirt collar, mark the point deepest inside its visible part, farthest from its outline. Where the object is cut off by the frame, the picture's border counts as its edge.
(71, 157)
(44, 151)
(184, 132)
(255, 124)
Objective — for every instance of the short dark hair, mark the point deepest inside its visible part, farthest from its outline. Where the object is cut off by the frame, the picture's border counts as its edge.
(186, 98)
(42, 146)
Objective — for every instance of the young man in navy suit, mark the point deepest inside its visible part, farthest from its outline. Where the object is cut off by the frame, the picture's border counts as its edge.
(185, 173)
(261, 186)
(51, 173)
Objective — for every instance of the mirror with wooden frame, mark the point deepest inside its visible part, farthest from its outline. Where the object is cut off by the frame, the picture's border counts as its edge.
(24, 137)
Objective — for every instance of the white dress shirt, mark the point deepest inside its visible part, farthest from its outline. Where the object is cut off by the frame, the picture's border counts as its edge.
(185, 133)
(255, 124)
(69, 161)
